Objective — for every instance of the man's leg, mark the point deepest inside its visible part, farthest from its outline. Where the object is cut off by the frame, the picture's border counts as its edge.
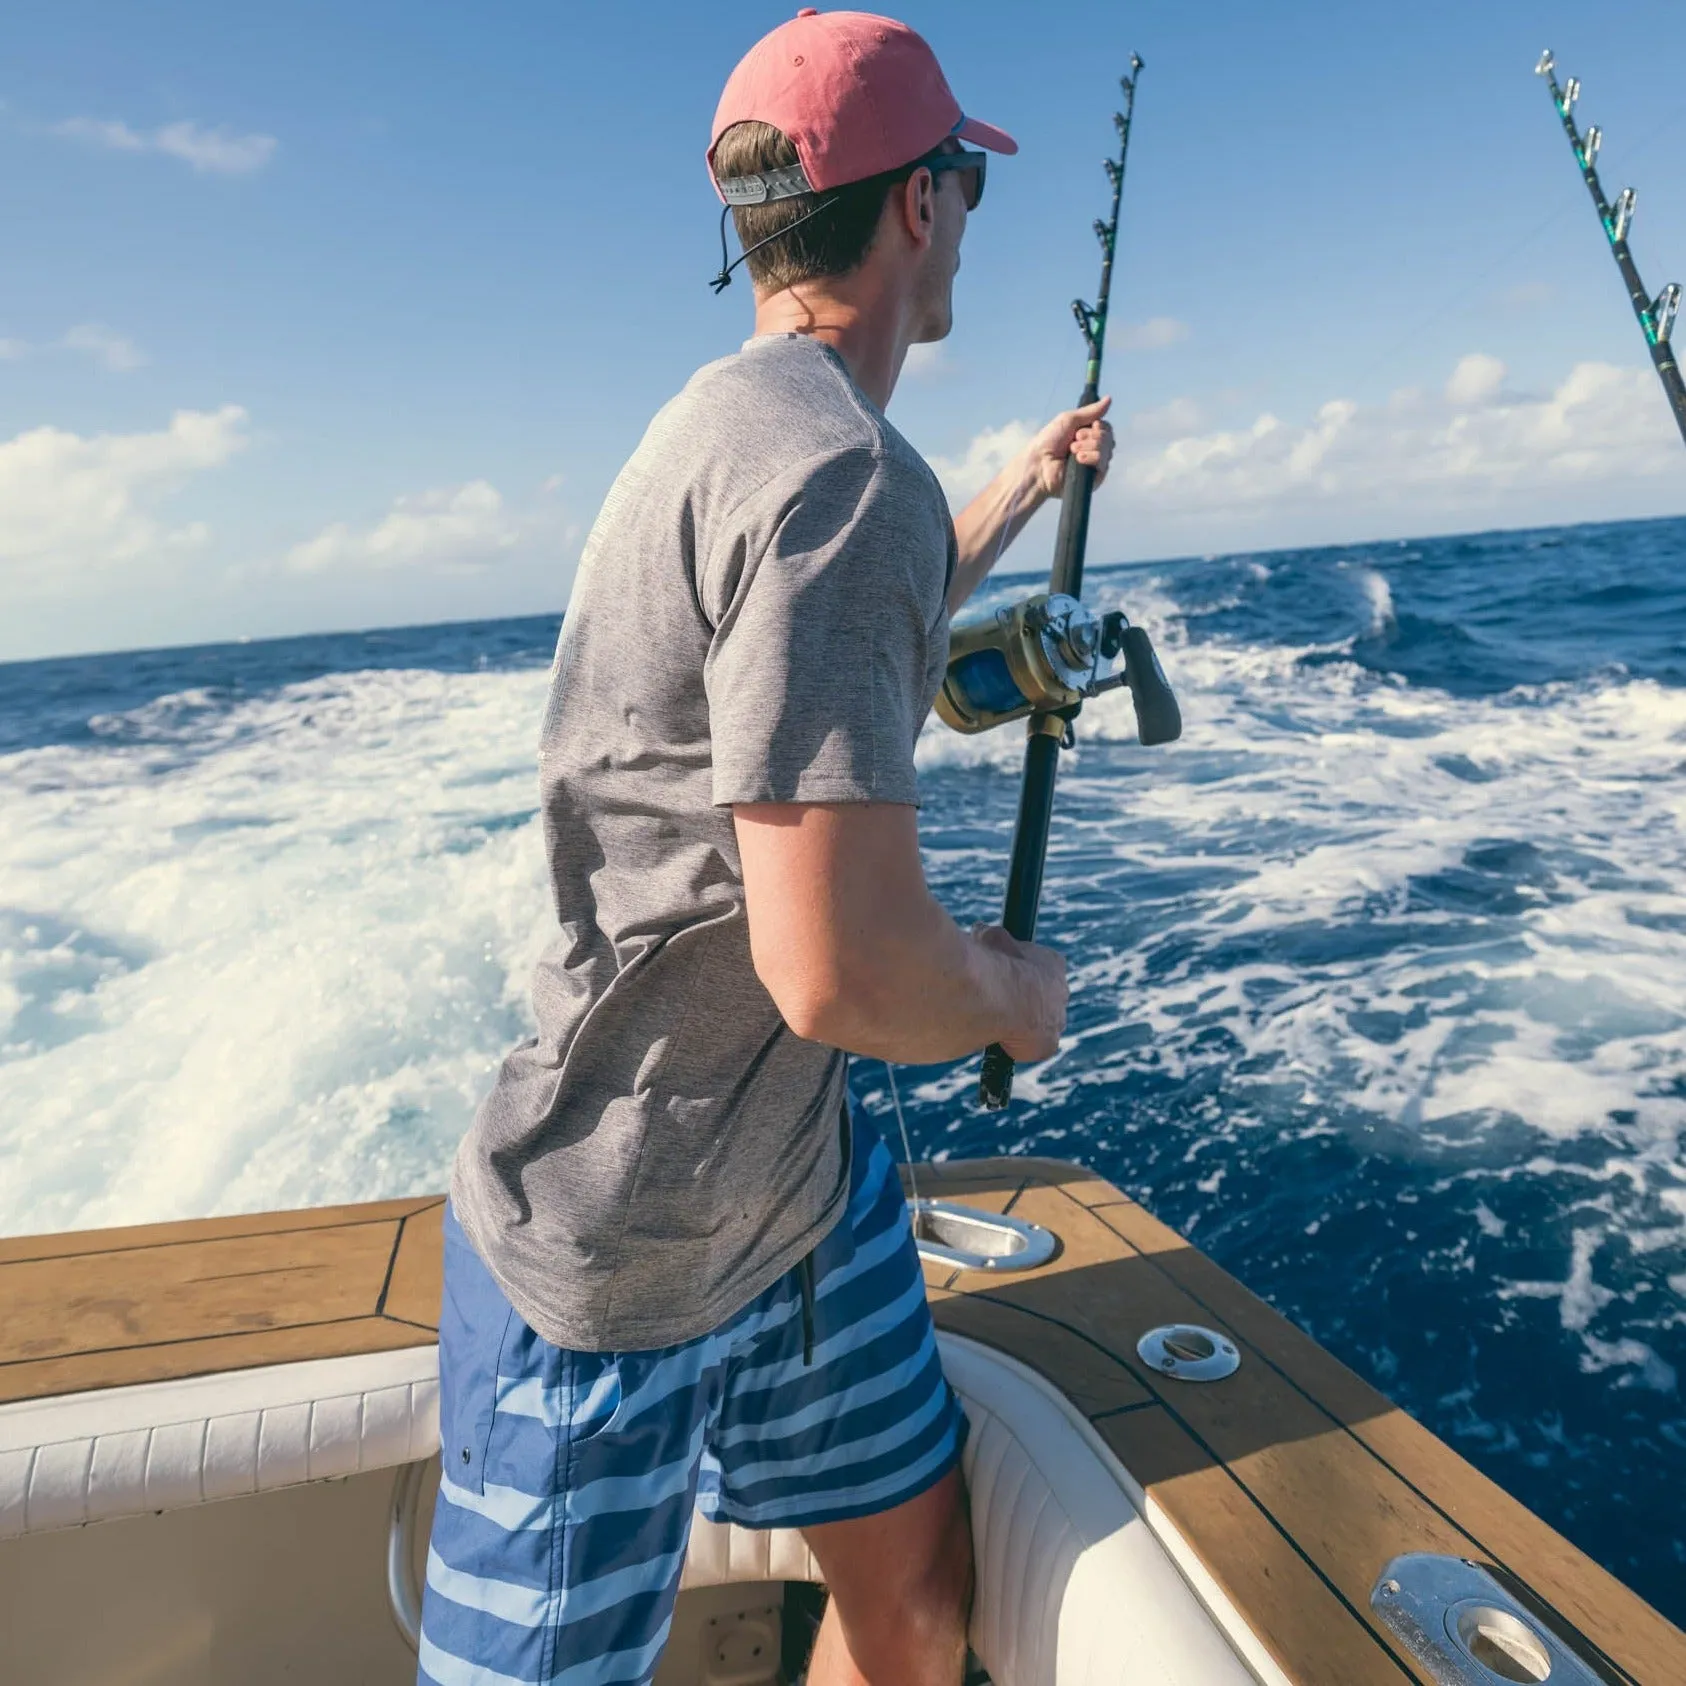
(855, 1437)
(901, 1593)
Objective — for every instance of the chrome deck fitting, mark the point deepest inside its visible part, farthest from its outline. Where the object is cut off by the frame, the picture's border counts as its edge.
(1466, 1629)
(1188, 1353)
(965, 1238)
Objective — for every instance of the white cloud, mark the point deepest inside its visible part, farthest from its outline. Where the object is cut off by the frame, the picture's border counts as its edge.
(207, 151)
(114, 137)
(1600, 444)
(1152, 335)
(924, 360)
(1181, 415)
(110, 350)
(963, 477)
(1601, 425)
(213, 151)
(1476, 379)
(453, 529)
(72, 504)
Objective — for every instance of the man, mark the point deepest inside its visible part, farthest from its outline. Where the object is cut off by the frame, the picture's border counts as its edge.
(677, 1274)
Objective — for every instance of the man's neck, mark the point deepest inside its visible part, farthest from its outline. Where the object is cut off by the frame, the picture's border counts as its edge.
(869, 334)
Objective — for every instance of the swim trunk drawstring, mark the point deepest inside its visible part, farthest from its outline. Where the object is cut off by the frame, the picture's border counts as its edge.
(805, 1282)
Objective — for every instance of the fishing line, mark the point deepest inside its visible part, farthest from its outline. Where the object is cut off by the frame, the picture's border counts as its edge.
(907, 1146)
(1006, 528)
(1457, 298)
(889, 1070)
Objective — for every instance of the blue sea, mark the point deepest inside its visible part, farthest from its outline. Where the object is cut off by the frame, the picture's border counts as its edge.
(1379, 973)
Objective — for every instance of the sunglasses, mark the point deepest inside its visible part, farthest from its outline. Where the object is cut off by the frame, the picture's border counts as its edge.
(970, 166)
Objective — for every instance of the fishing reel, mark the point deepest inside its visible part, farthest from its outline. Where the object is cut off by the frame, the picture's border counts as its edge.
(1046, 655)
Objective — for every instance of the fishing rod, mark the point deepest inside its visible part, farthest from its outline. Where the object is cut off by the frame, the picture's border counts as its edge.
(1656, 315)
(1042, 658)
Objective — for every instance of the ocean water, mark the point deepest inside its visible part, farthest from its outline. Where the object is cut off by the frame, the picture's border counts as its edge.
(1380, 973)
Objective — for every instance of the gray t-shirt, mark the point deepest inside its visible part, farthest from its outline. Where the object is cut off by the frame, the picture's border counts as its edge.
(759, 616)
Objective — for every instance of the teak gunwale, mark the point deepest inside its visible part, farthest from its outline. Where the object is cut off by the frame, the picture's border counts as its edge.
(1294, 1481)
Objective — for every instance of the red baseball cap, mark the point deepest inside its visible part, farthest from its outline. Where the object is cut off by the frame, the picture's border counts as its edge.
(856, 94)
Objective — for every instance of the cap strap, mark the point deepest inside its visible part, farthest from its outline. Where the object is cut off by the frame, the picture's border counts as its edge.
(724, 279)
(769, 185)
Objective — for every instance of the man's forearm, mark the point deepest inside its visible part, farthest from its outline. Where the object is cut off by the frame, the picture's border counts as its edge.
(922, 990)
(991, 521)
(855, 951)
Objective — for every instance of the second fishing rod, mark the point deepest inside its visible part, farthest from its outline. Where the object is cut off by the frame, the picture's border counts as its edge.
(1042, 658)
(1654, 315)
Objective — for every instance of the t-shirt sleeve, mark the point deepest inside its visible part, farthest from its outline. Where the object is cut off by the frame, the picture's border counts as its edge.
(823, 592)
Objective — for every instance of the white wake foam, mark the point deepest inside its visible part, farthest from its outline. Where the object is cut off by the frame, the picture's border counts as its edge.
(264, 957)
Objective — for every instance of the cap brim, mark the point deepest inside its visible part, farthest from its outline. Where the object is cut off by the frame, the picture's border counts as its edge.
(987, 135)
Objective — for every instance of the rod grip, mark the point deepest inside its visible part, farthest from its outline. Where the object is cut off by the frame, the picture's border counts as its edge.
(995, 1082)
(1024, 888)
(1071, 539)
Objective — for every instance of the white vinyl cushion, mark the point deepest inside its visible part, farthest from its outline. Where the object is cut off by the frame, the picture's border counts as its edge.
(1074, 1587)
(721, 1554)
(92, 1457)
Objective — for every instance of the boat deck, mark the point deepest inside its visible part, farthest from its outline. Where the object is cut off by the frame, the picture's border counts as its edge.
(1294, 1480)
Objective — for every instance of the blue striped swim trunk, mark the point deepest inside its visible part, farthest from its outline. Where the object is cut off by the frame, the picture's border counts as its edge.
(569, 1478)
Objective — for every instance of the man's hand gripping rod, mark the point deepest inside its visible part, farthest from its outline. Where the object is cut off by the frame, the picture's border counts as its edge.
(1157, 715)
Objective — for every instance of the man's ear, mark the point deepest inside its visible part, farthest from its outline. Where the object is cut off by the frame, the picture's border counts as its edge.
(918, 207)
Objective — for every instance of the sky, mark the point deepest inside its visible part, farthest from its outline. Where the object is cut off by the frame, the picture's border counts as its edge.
(328, 316)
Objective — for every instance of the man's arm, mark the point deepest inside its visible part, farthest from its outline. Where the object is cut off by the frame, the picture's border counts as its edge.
(995, 517)
(856, 953)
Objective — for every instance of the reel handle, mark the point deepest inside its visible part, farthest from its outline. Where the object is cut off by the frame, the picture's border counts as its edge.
(995, 1081)
(1158, 719)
